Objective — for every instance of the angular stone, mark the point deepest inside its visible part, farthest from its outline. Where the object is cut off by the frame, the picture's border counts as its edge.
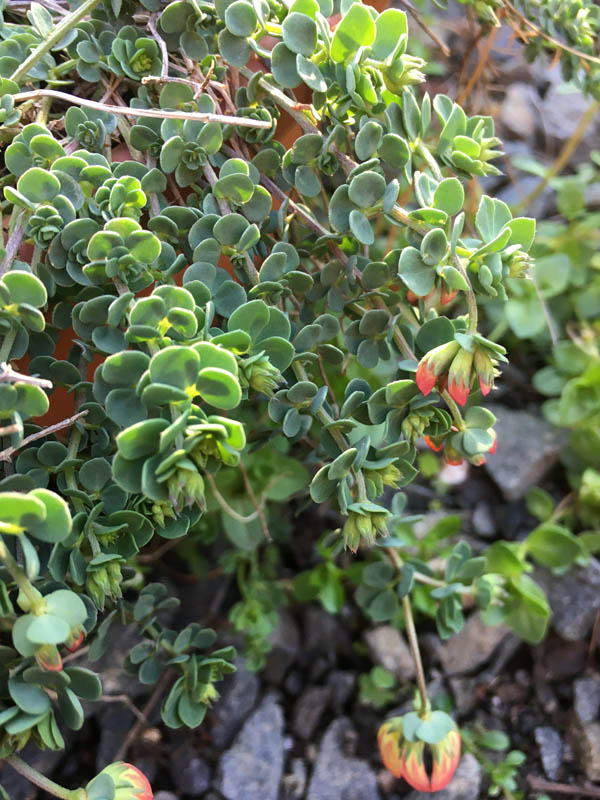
(472, 647)
(528, 447)
(586, 703)
(253, 766)
(190, 773)
(285, 641)
(551, 750)
(574, 599)
(238, 697)
(342, 683)
(586, 742)
(308, 710)
(389, 650)
(464, 785)
(520, 109)
(337, 775)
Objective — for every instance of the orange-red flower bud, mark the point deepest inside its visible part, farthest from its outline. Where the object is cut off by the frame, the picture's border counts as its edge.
(484, 367)
(75, 639)
(48, 658)
(447, 295)
(446, 755)
(437, 446)
(459, 376)
(434, 364)
(408, 760)
(389, 740)
(130, 782)
(452, 456)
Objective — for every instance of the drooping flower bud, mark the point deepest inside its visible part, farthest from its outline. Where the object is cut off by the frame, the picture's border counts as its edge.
(452, 456)
(130, 783)
(447, 295)
(446, 755)
(484, 367)
(433, 444)
(48, 658)
(434, 364)
(389, 740)
(75, 639)
(460, 376)
(426, 767)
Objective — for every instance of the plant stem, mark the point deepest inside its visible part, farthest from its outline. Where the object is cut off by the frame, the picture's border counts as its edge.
(14, 242)
(454, 410)
(225, 505)
(336, 435)
(155, 113)
(42, 781)
(412, 636)
(74, 440)
(64, 26)
(23, 583)
(7, 344)
(428, 158)
(58, 426)
(413, 643)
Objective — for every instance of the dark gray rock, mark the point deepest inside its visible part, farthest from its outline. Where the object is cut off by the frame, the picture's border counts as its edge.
(586, 702)
(342, 683)
(253, 766)
(561, 111)
(389, 650)
(528, 447)
(472, 647)
(464, 785)
(323, 635)
(189, 773)
(483, 521)
(308, 710)
(165, 796)
(574, 599)
(550, 746)
(464, 690)
(115, 723)
(286, 644)
(520, 110)
(337, 776)
(585, 740)
(239, 693)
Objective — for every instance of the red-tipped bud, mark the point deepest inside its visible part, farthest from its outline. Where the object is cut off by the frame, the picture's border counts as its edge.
(436, 446)
(447, 295)
(446, 755)
(460, 376)
(413, 766)
(434, 364)
(389, 740)
(48, 658)
(445, 758)
(130, 783)
(492, 449)
(75, 639)
(409, 760)
(484, 367)
(452, 456)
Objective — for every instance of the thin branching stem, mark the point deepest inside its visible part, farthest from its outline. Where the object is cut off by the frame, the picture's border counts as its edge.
(155, 113)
